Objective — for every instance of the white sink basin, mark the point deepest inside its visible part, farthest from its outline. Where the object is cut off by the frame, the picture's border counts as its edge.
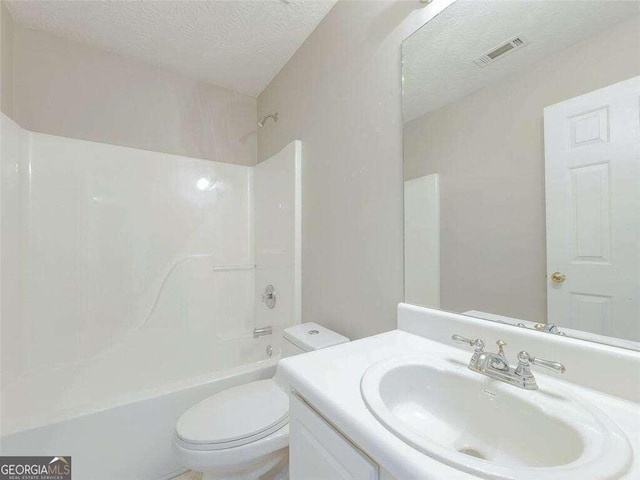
(491, 429)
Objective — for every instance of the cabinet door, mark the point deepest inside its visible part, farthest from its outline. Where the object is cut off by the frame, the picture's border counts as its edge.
(318, 452)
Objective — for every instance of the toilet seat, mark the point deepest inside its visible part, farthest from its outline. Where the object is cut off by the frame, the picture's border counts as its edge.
(234, 417)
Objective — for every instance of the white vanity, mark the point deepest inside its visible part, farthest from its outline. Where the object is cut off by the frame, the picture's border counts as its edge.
(405, 405)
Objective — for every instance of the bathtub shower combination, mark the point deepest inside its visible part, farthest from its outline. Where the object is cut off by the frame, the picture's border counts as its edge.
(142, 277)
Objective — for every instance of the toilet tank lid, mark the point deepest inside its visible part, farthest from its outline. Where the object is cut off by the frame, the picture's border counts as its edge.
(311, 336)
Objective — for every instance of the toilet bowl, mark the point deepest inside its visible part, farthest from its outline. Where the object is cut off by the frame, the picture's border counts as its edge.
(242, 433)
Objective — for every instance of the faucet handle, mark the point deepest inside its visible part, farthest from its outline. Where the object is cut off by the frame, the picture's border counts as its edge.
(477, 343)
(525, 359)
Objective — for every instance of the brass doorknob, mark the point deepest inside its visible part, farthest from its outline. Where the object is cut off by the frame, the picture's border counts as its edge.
(558, 277)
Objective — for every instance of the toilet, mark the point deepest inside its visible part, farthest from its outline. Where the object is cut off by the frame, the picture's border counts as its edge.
(242, 433)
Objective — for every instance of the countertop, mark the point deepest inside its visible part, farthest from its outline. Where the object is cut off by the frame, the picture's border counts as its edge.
(329, 380)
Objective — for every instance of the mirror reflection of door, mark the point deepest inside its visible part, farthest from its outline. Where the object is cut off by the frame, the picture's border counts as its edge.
(592, 165)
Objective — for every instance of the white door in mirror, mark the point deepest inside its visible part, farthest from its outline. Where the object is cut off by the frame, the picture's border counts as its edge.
(592, 157)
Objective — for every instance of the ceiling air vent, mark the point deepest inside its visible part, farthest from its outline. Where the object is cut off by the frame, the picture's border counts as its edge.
(500, 51)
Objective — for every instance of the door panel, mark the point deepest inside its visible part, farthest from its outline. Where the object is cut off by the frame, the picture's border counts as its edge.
(592, 167)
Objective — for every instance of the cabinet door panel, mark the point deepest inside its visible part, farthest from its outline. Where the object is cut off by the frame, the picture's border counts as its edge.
(318, 452)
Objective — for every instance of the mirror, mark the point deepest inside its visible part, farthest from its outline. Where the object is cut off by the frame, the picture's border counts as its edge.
(522, 165)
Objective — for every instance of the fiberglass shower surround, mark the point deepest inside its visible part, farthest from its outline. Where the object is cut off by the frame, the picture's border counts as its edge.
(126, 259)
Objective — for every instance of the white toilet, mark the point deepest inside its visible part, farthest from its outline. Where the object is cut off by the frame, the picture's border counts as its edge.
(242, 433)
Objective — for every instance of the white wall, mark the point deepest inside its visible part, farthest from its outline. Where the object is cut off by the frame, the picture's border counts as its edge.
(340, 94)
(65, 88)
(6, 60)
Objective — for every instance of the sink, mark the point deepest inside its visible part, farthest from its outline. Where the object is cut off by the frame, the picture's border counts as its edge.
(491, 429)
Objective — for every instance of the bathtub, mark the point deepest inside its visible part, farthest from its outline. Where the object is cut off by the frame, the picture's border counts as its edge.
(129, 440)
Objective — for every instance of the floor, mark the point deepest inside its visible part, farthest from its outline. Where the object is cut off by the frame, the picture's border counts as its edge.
(279, 472)
(190, 475)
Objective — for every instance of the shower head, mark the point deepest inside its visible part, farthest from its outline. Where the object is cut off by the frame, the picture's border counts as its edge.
(262, 121)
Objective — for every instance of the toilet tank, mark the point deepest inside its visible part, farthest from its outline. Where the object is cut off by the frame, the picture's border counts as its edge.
(307, 337)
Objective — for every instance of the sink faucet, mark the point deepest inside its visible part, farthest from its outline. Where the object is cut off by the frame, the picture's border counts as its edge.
(496, 365)
(548, 328)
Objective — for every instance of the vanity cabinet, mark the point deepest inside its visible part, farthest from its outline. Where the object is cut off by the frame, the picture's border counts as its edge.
(317, 451)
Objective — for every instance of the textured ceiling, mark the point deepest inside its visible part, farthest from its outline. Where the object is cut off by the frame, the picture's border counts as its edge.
(240, 45)
(438, 59)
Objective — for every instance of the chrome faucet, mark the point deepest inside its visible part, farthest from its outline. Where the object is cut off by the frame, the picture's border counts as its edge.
(496, 365)
(259, 332)
(548, 328)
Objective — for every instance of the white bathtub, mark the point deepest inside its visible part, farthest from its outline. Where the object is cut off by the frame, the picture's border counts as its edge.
(130, 441)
